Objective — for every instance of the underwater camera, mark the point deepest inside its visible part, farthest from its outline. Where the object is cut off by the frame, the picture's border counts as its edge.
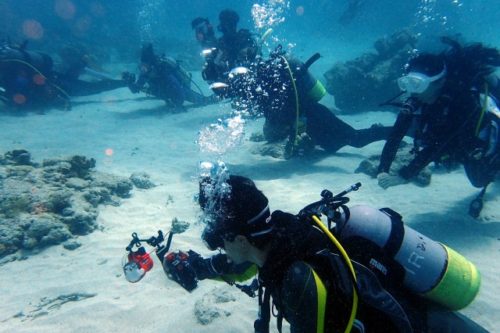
(137, 262)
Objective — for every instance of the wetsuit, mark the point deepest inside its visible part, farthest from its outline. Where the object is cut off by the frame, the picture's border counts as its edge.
(315, 296)
(278, 103)
(166, 80)
(231, 50)
(443, 131)
(29, 80)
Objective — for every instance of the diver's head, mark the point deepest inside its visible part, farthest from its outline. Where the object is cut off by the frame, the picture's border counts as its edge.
(203, 29)
(228, 21)
(426, 74)
(147, 54)
(243, 210)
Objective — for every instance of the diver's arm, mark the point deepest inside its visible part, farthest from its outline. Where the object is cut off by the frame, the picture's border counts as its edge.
(217, 266)
(399, 130)
(423, 158)
(303, 299)
(139, 84)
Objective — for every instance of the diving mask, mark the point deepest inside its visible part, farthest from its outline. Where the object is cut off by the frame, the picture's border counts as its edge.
(417, 83)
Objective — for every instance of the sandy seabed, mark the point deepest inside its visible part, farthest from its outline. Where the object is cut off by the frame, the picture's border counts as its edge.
(84, 290)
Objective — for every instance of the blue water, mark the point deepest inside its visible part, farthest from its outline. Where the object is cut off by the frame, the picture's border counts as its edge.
(145, 139)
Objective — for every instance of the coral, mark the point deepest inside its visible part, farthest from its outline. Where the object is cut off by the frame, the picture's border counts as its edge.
(364, 83)
(141, 180)
(212, 306)
(52, 202)
(179, 226)
(404, 155)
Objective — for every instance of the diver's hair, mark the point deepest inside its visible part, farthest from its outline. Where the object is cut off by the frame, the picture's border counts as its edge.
(229, 16)
(147, 54)
(197, 21)
(469, 65)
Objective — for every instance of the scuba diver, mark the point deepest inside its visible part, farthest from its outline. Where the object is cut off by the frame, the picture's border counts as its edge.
(204, 32)
(234, 48)
(370, 273)
(164, 78)
(29, 79)
(76, 61)
(452, 112)
(283, 90)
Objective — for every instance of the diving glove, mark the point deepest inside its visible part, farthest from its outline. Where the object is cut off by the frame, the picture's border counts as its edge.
(301, 146)
(177, 266)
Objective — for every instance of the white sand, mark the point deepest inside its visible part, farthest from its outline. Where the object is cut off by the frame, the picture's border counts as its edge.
(145, 138)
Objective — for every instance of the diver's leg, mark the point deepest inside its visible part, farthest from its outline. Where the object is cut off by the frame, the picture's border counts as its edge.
(174, 91)
(196, 98)
(326, 129)
(366, 136)
(331, 133)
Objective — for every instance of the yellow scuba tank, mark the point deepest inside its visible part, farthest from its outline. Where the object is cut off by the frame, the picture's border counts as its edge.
(401, 256)
(312, 86)
(306, 82)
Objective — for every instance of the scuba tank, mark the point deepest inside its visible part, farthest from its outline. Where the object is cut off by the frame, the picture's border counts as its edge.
(399, 255)
(38, 61)
(182, 75)
(314, 88)
(306, 82)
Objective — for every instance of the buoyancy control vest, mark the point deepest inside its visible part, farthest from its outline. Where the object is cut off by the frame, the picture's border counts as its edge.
(173, 66)
(402, 257)
(307, 244)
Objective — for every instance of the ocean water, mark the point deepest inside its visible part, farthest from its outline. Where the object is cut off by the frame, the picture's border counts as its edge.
(51, 288)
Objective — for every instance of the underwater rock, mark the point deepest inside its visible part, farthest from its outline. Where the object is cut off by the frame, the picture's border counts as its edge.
(275, 149)
(404, 155)
(71, 244)
(178, 226)
(81, 165)
(117, 185)
(18, 157)
(11, 237)
(206, 310)
(81, 223)
(257, 137)
(99, 195)
(364, 83)
(77, 183)
(141, 180)
(49, 203)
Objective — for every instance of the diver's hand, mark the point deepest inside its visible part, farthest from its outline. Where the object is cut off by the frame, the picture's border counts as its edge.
(301, 146)
(129, 79)
(386, 180)
(178, 268)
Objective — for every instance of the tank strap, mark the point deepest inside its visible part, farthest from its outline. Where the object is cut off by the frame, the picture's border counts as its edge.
(261, 325)
(373, 294)
(397, 232)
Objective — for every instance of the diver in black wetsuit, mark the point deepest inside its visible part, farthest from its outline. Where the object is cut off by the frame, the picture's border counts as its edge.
(287, 95)
(234, 48)
(76, 62)
(452, 113)
(164, 78)
(28, 79)
(299, 267)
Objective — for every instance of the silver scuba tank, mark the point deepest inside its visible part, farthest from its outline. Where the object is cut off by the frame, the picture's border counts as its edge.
(380, 240)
